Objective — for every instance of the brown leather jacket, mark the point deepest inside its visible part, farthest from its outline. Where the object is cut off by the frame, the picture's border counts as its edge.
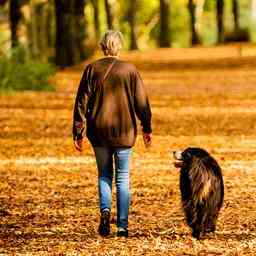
(110, 96)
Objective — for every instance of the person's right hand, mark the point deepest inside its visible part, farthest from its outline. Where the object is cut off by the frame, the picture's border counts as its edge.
(78, 145)
(147, 138)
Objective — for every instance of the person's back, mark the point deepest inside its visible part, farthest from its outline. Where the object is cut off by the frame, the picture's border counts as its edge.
(110, 96)
(117, 94)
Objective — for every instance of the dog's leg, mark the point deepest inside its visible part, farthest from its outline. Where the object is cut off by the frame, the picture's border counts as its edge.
(211, 223)
(198, 228)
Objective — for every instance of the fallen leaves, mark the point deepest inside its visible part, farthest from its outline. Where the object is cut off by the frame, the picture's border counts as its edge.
(48, 192)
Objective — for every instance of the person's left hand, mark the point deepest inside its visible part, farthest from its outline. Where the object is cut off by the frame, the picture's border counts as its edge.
(78, 145)
(147, 138)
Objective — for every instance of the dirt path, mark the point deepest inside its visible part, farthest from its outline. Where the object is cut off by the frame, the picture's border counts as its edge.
(48, 191)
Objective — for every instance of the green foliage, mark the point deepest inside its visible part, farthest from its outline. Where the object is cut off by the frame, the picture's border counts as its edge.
(18, 73)
(180, 24)
(209, 29)
(147, 20)
(148, 17)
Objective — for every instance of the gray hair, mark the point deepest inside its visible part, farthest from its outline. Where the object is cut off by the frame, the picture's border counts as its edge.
(111, 42)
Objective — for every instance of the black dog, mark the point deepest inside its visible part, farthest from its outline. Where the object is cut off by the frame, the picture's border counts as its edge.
(202, 189)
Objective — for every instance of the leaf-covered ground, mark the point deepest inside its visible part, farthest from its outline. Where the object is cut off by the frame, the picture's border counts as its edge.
(48, 192)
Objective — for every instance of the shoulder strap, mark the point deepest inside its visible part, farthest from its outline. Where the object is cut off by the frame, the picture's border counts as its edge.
(108, 70)
(92, 97)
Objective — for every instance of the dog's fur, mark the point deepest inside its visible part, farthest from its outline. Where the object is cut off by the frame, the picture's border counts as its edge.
(202, 189)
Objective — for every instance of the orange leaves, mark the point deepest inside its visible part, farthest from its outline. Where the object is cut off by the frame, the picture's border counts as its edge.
(48, 191)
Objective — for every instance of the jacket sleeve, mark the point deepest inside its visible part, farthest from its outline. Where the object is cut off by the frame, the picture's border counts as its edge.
(80, 107)
(141, 103)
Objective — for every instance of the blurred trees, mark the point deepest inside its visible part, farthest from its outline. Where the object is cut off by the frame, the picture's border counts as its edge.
(239, 34)
(65, 31)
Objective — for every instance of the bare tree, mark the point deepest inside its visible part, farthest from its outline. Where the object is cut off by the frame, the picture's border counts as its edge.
(165, 30)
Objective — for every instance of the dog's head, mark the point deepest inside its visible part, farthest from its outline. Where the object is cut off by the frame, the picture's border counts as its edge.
(186, 157)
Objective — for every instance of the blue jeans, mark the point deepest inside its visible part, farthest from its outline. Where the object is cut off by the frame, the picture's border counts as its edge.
(104, 158)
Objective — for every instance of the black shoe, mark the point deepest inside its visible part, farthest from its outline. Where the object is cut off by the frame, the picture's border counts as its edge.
(104, 227)
(122, 233)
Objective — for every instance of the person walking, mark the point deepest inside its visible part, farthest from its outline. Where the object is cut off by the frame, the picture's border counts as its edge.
(110, 96)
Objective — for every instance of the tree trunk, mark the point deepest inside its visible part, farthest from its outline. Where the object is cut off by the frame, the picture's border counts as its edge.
(67, 48)
(192, 12)
(220, 20)
(239, 34)
(95, 4)
(132, 22)
(80, 27)
(34, 30)
(42, 29)
(50, 24)
(15, 17)
(109, 13)
(235, 9)
(165, 30)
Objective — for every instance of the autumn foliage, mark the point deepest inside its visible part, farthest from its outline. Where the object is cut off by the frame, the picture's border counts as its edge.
(200, 97)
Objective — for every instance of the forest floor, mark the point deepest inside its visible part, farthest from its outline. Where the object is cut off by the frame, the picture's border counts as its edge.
(202, 97)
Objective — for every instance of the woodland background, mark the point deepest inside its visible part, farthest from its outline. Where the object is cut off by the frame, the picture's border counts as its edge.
(66, 32)
(197, 60)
